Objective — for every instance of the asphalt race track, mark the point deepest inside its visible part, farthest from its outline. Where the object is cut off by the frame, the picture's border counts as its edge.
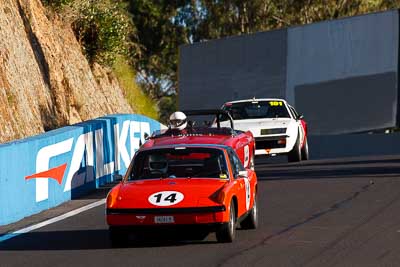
(342, 212)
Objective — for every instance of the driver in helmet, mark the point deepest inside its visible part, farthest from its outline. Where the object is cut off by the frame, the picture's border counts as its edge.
(177, 121)
(158, 165)
(177, 124)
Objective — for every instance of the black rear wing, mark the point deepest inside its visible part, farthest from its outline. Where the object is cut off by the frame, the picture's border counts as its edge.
(216, 112)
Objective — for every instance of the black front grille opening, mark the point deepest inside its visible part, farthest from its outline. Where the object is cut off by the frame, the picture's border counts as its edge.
(270, 144)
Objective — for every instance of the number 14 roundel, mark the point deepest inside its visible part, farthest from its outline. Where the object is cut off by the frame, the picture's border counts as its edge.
(166, 198)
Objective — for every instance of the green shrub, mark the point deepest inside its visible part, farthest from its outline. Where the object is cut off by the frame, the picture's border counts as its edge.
(103, 29)
(105, 32)
(139, 101)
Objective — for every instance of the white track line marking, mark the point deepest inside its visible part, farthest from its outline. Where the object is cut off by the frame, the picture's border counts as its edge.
(52, 220)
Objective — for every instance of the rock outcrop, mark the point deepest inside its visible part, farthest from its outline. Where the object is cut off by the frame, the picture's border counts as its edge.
(45, 80)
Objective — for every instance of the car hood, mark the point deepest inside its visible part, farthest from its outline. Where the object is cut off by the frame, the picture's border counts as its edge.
(195, 192)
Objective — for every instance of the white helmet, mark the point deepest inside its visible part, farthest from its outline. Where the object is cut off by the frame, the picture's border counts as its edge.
(178, 120)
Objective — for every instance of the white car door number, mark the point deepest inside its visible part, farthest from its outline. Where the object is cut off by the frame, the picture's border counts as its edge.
(246, 156)
(248, 193)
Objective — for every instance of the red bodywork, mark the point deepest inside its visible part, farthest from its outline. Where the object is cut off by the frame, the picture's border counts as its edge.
(242, 142)
(204, 200)
(304, 125)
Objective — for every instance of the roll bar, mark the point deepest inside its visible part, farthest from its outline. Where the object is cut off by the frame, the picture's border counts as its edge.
(216, 112)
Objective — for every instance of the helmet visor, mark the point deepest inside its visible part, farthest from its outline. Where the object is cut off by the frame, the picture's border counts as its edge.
(177, 123)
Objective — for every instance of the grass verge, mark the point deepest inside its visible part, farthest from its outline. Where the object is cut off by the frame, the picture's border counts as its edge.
(137, 99)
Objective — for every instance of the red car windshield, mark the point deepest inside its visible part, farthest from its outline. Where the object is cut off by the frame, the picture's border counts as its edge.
(257, 110)
(180, 162)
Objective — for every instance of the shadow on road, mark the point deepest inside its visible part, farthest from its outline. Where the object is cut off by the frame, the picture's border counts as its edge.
(87, 240)
(338, 169)
(282, 161)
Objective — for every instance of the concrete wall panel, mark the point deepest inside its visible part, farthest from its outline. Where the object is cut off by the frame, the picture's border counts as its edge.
(217, 71)
(41, 172)
(351, 105)
(338, 49)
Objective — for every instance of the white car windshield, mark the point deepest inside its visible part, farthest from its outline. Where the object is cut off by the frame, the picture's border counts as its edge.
(257, 110)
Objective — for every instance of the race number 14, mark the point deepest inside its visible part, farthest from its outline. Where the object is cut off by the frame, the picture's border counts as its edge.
(166, 198)
(171, 198)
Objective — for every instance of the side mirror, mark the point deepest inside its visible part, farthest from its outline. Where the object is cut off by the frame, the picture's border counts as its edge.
(146, 136)
(243, 174)
(300, 117)
(117, 177)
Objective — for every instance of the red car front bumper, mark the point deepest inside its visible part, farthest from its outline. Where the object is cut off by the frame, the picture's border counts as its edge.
(165, 216)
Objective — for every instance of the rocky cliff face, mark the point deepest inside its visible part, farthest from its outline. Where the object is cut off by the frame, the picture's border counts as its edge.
(45, 80)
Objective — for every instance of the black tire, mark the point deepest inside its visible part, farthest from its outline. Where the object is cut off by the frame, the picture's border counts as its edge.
(118, 237)
(226, 232)
(304, 151)
(251, 221)
(295, 154)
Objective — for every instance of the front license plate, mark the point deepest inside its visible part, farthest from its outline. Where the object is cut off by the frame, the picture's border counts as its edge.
(164, 219)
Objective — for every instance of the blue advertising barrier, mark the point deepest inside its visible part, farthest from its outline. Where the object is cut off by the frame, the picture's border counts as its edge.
(41, 172)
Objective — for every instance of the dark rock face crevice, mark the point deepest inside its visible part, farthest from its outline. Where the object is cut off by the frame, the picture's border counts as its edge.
(48, 113)
(36, 47)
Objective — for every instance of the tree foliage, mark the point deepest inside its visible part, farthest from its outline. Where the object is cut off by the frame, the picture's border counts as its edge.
(162, 26)
(233, 17)
(154, 29)
(160, 35)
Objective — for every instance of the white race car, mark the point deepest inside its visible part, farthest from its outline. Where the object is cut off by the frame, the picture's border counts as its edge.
(276, 126)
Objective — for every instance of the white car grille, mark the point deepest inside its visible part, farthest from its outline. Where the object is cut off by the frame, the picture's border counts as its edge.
(272, 131)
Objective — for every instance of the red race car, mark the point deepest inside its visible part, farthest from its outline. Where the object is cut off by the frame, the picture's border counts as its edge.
(199, 184)
(242, 142)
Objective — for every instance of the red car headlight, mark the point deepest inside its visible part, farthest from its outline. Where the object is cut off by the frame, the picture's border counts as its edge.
(112, 198)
